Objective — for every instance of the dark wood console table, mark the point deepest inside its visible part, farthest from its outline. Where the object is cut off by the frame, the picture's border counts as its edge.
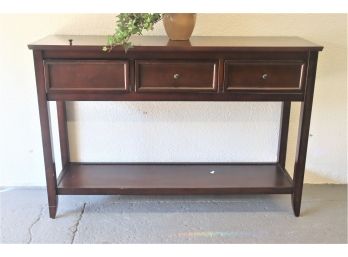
(74, 68)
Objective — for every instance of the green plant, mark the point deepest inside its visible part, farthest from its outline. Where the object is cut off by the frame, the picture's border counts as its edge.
(129, 24)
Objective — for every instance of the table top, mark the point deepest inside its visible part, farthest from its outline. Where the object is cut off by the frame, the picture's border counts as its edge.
(56, 42)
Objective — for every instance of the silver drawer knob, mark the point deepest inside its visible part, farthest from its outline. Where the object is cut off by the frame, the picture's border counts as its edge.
(264, 76)
(176, 76)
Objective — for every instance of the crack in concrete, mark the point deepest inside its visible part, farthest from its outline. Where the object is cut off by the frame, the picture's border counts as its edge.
(33, 224)
(76, 227)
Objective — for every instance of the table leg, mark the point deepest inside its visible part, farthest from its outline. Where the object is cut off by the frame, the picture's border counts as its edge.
(63, 133)
(51, 179)
(283, 133)
(303, 134)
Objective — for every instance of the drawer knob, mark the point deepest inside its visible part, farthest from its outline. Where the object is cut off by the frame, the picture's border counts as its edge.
(264, 76)
(176, 76)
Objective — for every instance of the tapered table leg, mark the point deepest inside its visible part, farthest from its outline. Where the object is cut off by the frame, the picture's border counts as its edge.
(303, 134)
(51, 179)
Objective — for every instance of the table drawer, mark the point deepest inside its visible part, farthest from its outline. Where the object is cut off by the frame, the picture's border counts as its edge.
(66, 76)
(264, 75)
(175, 75)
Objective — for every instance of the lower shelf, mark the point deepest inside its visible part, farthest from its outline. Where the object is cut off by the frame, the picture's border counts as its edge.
(78, 178)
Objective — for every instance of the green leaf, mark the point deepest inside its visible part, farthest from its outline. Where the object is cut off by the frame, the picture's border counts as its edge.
(128, 24)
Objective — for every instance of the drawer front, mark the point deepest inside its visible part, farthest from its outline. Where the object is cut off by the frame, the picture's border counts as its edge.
(66, 76)
(264, 75)
(175, 75)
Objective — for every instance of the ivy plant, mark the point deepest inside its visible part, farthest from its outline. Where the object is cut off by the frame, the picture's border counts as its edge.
(129, 24)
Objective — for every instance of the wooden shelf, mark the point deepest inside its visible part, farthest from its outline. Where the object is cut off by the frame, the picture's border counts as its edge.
(172, 178)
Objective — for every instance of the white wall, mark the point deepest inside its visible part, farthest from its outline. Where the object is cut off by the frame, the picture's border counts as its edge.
(173, 131)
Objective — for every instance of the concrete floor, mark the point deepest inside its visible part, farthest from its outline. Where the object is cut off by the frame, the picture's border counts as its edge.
(175, 219)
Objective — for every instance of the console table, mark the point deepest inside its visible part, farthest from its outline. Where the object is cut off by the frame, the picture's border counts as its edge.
(74, 68)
